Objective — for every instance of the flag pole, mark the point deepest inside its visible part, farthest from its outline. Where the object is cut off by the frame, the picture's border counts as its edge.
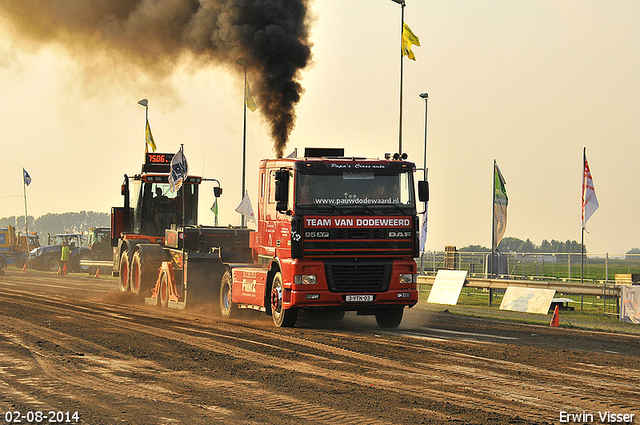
(244, 139)
(242, 61)
(26, 216)
(493, 222)
(584, 177)
(145, 103)
(403, 4)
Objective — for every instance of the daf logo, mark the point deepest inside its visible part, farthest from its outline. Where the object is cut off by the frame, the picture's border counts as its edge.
(400, 234)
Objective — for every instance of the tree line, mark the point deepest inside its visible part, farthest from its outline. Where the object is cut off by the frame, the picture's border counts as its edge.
(70, 222)
(518, 245)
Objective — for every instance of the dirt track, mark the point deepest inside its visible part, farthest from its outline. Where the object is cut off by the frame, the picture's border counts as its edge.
(72, 344)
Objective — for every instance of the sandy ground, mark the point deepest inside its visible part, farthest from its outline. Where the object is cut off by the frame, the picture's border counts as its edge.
(74, 350)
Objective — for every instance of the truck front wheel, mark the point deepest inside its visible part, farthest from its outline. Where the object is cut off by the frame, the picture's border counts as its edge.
(227, 307)
(282, 317)
(389, 318)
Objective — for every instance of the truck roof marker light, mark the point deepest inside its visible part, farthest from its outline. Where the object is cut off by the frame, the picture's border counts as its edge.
(396, 156)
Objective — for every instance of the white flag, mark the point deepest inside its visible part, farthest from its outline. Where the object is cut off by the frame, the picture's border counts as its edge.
(589, 199)
(179, 170)
(246, 209)
(423, 229)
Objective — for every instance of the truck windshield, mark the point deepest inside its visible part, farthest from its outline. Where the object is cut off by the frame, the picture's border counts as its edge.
(355, 188)
(157, 208)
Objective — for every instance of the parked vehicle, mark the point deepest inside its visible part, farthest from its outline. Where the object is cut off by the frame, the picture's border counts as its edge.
(48, 257)
(15, 247)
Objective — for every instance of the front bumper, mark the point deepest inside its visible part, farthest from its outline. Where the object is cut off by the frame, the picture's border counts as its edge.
(349, 301)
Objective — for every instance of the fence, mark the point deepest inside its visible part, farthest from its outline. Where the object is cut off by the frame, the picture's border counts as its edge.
(560, 267)
(598, 268)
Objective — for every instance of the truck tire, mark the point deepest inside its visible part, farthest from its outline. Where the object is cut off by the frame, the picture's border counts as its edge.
(144, 270)
(124, 272)
(389, 318)
(227, 307)
(51, 263)
(282, 317)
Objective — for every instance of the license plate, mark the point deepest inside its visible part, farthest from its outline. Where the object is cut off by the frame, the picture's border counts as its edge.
(358, 298)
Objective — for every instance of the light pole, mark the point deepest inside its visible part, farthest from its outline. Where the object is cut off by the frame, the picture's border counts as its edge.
(145, 103)
(402, 4)
(242, 61)
(425, 96)
(423, 237)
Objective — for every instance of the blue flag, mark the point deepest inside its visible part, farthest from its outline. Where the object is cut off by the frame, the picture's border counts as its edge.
(179, 170)
(26, 176)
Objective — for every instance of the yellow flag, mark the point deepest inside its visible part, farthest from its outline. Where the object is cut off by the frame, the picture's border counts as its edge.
(149, 139)
(408, 39)
(248, 99)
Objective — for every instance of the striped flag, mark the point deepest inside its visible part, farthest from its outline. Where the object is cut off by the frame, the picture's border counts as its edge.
(589, 199)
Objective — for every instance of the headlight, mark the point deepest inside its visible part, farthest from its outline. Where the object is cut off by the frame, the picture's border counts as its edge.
(407, 278)
(305, 279)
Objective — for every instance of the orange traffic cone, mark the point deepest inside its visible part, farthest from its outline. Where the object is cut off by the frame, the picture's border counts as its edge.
(24, 268)
(97, 272)
(555, 320)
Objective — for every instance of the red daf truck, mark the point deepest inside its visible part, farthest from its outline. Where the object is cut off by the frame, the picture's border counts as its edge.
(334, 234)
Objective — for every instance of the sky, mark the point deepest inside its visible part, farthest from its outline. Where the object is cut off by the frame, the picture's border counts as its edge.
(526, 83)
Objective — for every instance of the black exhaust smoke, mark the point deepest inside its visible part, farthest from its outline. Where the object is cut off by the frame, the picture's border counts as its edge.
(156, 35)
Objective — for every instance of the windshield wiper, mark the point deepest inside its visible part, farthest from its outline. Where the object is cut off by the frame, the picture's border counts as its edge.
(366, 208)
(393, 205)
(332, 207)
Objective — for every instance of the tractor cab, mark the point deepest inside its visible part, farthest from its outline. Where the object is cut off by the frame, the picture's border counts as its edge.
(150, 206)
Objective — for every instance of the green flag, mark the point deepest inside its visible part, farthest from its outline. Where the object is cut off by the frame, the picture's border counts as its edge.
(500, 201)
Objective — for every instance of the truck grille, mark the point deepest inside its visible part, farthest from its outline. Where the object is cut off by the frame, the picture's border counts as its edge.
(358, 276)
(358, 242)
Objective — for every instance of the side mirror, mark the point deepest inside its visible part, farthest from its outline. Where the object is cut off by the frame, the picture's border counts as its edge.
(423, 191)
(282, 190)
(217, 191)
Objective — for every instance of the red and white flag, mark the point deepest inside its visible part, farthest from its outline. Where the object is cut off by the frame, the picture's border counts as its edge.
(589, 199)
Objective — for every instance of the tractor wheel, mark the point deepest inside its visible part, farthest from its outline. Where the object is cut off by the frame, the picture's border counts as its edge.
(21, 261)
(163, 296)
(144, 271)
(282, 317)
(389, 318)
(51, 263)
(124, 272)
(227, 307)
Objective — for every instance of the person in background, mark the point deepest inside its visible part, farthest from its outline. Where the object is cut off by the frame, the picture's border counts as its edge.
(64, 258)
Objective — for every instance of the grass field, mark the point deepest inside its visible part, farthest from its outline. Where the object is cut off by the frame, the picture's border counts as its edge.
(591, 314)
(550, 266)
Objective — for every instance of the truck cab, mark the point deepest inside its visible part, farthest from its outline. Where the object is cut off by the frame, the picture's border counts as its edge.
(335, 233)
